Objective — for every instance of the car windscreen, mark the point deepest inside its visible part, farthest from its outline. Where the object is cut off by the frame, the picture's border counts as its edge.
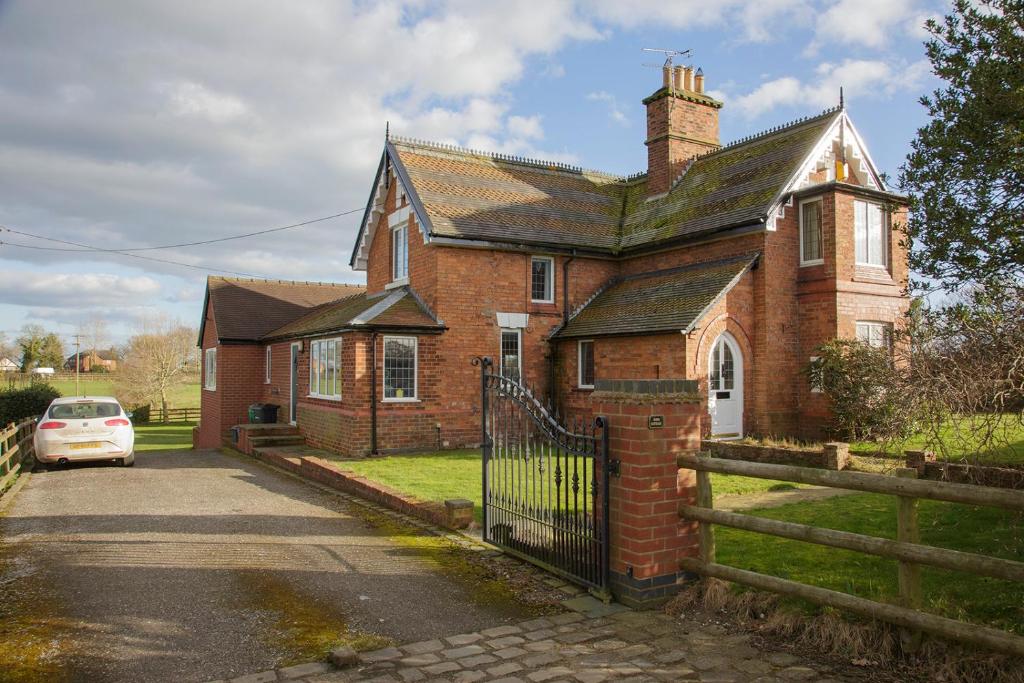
(84, 411)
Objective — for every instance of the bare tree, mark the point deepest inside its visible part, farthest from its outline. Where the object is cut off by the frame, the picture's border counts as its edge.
(95, 336)
(156, 360)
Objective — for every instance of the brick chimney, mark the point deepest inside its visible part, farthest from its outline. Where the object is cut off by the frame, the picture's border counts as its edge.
(682, 122)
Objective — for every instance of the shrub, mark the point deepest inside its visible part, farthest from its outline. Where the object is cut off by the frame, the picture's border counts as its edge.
(865, 390)
(140, 414)
(31, 401)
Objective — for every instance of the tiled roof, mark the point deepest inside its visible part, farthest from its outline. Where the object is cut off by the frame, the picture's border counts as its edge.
(399, 308)
(473, 195)
(662, 301)
(246, 310)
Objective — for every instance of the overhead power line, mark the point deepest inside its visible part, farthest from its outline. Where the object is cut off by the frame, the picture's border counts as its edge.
(188, 244)
(80, 247)
(121, 253)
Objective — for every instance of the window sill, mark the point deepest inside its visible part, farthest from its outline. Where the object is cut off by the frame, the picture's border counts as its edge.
(399, 400)
(585, 387)
(324, 398)
(209, 389)
(400, 282)
(543, 302)
(807, 264)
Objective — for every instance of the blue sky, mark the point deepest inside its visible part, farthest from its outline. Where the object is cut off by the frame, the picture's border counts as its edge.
(125, 126)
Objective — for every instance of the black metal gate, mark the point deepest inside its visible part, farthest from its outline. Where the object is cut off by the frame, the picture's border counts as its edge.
(545, 484)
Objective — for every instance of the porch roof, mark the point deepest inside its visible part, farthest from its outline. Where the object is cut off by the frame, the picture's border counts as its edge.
(671, 300)
(399, 308)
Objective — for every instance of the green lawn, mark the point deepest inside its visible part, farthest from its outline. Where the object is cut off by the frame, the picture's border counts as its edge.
(430, 476)
(456, 474)
(160, 437)
(181, 396)
(961, 441)
(986, 531)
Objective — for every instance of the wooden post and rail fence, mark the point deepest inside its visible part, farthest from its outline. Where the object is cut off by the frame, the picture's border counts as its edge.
(15, 448)
(906, 549)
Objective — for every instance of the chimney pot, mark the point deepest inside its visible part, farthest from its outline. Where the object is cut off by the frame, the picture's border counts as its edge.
(699, 81)
(688, 79)
(666, 76)
(677, 80)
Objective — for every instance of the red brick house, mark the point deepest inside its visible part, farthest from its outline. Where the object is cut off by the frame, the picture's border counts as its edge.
(724, 264)
(89, 361)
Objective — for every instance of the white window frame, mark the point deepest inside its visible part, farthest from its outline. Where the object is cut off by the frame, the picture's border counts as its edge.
(320, 344)
(267, 365)
(398, 222)
(549, 285)
(210, 369)
(821, 229)
(858, 205)
(501, 356)
(579, 363)
(415, 371)
(871, 324)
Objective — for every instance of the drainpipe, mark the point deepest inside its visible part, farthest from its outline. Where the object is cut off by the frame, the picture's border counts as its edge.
(373, 393)
(565, 321)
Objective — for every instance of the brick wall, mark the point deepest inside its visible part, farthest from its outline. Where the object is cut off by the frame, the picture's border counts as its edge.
(677, 130)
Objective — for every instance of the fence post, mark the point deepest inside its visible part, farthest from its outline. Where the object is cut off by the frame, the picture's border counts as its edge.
(907, 531)
(707, 530)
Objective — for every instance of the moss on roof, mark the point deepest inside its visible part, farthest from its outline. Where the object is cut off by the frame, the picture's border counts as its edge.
(660, 301)
(478, 196)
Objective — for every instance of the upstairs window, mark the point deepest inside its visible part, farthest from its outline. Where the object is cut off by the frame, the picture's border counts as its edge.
(400, 248)
(870, 234)
(811, 249)
(542, 284)
(325, 368)
(399, 368)
(876, 334)
(210, 367)
(586, 364)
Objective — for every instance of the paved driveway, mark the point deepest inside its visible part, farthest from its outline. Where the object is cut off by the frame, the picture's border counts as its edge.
(193, 566)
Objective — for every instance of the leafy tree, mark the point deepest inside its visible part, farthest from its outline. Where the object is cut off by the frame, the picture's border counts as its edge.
(31, 344)
(155, 361)
(965, 173)
(51, 355)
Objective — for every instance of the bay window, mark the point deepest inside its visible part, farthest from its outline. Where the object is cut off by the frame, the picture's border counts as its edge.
(811, 248)
(400, 368)
(870, 234)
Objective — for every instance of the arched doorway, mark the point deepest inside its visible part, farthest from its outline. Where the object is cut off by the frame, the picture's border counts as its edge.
(725, 388)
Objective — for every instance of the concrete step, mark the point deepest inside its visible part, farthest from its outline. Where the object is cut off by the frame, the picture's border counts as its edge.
(276, 440)
(269, 429)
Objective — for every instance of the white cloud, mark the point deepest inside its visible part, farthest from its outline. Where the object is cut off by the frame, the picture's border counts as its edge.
(528, 127)
(615, 112)
(869, 23)
(73, 291)
(195, 99)
(859, 78)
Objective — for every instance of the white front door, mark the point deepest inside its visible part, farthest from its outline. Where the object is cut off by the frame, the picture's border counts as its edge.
(725, 388)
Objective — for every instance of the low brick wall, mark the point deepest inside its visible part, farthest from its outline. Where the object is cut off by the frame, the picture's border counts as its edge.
(833, 456)
(961, 473)
(330, 474)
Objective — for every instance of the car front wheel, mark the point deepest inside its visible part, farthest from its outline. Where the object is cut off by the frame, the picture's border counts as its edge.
(129, 461)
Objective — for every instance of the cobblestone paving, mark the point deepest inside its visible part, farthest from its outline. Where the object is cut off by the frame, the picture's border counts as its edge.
(572, 648)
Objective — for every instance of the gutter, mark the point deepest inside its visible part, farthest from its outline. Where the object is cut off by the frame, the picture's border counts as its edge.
(373, 393)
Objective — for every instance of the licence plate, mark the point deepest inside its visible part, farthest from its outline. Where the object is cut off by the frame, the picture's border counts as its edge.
(85, 444)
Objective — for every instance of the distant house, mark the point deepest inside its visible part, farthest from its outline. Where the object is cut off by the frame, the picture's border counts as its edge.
(91, 360)
(8, 365)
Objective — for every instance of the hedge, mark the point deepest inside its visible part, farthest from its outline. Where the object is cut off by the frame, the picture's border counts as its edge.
(31, 401)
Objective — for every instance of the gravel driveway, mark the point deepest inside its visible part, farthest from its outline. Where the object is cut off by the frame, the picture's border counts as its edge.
(198, 565)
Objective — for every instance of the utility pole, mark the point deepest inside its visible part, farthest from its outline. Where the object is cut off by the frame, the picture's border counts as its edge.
(78, 363)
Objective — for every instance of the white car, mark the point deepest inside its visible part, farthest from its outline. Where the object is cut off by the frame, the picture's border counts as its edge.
(84, 429)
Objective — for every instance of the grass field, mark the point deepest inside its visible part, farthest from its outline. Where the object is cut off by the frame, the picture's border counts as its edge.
(457, 474)
(959, 441)
(160, 437)
(986, 531)
(181, 396)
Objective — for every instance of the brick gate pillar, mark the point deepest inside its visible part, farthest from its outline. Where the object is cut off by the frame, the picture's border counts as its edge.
(650, 422)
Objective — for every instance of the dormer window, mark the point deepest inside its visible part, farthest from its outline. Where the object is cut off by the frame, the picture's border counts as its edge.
(811, 248)
(542, 282)
(399, 222)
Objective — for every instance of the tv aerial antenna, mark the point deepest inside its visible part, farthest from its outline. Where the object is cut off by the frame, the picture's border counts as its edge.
(669, 55)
